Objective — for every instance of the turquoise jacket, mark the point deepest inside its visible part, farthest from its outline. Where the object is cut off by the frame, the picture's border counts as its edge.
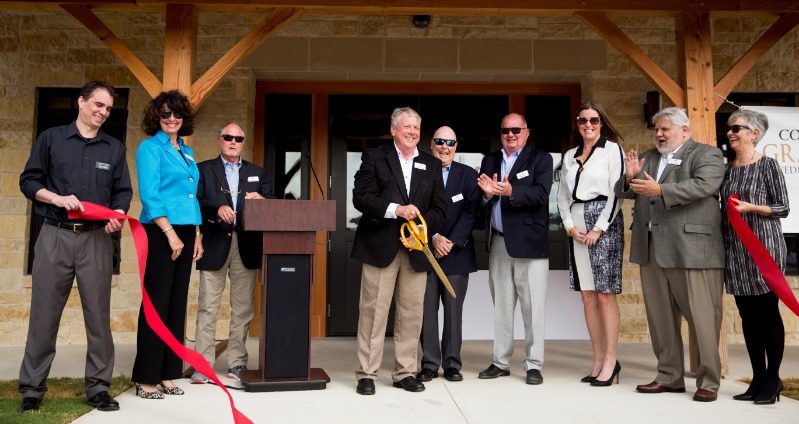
(167, 181)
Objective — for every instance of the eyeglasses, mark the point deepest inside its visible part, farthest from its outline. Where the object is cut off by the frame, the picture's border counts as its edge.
(581, 120)
(165, 114)
(736, 128)
(228, 137)
(226, 191)
(514, 130)
(440, 141)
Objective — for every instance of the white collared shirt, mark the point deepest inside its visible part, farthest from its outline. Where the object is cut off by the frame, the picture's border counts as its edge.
(407, 170)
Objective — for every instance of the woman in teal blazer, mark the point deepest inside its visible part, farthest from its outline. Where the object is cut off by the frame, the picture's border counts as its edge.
(168, 175)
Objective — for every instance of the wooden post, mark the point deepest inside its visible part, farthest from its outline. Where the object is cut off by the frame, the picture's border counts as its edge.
(696, 74)
(180, 47)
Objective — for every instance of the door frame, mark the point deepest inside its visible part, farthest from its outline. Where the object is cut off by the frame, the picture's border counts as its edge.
(320, 144)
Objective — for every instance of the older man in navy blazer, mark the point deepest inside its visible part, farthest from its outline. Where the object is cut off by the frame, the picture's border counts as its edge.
(516, 181)
(395, 182)
(454, 247)
(225, 182)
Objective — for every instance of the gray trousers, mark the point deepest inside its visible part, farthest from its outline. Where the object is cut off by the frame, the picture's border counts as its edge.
(670, 294)
(242, 289)
(448, 353)
(511, 279)
(61, 257)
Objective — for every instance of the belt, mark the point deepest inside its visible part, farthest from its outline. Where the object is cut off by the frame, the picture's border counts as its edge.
(495, 231)
(75, 227)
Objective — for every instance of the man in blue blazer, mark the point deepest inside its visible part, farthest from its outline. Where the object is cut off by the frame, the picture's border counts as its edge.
(225, 182)
(395, 182)
(453, 245)
(516, 181)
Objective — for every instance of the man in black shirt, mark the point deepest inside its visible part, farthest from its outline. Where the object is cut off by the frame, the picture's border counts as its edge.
(70, 164)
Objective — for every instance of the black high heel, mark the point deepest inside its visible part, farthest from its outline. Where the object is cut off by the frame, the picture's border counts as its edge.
(588, 379)
(608, 382)
(769, 400)
(752, 391)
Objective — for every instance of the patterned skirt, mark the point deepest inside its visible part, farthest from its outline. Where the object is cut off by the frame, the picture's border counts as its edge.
(598, 267)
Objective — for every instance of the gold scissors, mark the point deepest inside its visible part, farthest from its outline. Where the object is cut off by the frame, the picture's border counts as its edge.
(418, 241)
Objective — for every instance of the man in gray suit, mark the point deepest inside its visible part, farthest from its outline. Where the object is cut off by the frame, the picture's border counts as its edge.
(677, 242)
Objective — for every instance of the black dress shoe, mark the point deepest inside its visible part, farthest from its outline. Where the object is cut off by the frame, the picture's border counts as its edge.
(366, 386)
(29, 403)
(104, 402)
(452, 374)
(534, 377)
(493, 372)
(410, 384)
(426, 374)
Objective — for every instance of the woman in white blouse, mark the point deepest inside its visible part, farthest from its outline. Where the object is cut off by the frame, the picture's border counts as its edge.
(590, 213)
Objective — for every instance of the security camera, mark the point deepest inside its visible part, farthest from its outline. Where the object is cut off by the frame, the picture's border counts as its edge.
(421, 21)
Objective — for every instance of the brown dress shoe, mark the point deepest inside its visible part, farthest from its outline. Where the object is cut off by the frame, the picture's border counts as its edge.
(655, 387)
(703, 395)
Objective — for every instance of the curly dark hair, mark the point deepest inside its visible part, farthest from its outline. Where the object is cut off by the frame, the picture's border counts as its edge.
(177, 102)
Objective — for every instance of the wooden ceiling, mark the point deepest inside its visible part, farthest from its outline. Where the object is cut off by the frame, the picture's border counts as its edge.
(436, 7)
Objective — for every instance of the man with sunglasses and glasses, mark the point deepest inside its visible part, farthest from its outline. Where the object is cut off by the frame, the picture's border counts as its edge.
(225, 183)
(453, 246)
(516, 181)
(677, 241)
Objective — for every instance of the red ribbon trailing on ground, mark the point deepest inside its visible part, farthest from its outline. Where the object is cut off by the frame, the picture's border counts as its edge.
(765, 263)
(97, 212)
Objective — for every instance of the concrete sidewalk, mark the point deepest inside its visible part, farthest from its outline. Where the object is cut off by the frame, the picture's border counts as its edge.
(561, 399)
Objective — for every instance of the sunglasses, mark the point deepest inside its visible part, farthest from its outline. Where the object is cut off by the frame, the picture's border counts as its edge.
(165, 114)
(514, 130)
(228, 137)
(440, 141)
(581, 120)
(736, 128)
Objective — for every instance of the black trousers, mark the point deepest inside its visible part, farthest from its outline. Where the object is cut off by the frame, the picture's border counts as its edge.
(764, 335)
(448, 354)
(167, 284)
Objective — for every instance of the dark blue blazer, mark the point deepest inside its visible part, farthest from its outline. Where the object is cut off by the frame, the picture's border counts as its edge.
(378, 182)
(525, 215)
(217, 234)
(463, 195)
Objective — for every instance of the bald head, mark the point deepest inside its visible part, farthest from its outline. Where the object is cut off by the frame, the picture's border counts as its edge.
(442, 151)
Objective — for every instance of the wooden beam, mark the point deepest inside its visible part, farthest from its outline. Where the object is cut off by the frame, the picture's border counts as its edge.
(180, 47)
(213, 76)
(89, 20)
(606, 29)
(779, 29)
(320, 157)
(694, 45)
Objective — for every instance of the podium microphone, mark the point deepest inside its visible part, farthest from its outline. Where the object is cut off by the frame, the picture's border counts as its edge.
(313, 171)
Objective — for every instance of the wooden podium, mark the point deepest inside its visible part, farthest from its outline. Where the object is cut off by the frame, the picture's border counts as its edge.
(289, 243)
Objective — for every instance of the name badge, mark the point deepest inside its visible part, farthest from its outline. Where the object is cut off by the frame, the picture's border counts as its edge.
(253, 178)
(421, 166)
(188, 157)
(522, 174)
(457, 198)
(103, 166)
(674, 162)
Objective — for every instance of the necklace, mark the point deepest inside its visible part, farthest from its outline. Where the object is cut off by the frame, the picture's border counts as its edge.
(740, 163)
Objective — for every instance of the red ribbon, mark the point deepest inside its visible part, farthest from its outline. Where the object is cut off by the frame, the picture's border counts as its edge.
(97, 212)
(765, 263)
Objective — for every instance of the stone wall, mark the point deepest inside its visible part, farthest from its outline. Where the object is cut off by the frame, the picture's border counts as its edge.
(53, 50)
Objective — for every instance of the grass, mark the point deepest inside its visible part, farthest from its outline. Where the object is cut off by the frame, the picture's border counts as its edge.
(791, 389)
(64, 402)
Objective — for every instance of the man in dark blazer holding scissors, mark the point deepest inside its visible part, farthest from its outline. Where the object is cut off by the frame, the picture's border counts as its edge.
(678, 244)
(395, 182)
(225, 182)
(453, 245)
(516, 181)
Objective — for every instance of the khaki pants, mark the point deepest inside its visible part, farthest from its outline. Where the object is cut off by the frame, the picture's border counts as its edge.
(242, 288)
